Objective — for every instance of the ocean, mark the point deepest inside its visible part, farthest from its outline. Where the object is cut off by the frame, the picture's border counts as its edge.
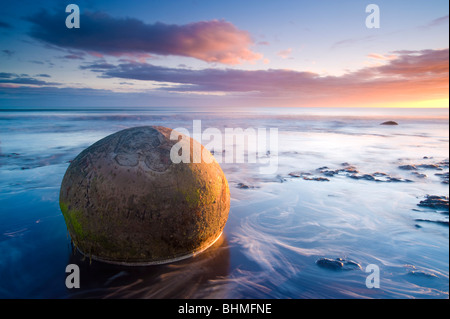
(345, 195)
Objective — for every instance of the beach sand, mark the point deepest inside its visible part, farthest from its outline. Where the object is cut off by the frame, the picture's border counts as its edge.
(347, 193)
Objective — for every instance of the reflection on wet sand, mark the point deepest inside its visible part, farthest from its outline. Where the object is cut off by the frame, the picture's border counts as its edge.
(383, 204)
(188, 278)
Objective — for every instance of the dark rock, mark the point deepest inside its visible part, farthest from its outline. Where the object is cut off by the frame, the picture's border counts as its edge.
(299, 174)
(318, 179)
(366, 177)
(330, 263)
(308, 177)
(329, 173)
(444, 177)
(349, 169)
(408, 167)
(435, 202)
(379, 174)
(421, 273)
(243, 186)
(398, 180)
(439, 222)
(420, 175)
(352, 172)
(389, 123)
(430, 166)
(295, 174)
(338, 264)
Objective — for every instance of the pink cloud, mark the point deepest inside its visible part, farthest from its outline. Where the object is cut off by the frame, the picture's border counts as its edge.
(211, 41)
(418, 75)
(382, 57)
(285, 53)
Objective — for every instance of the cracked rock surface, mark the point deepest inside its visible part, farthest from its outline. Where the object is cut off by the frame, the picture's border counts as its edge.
(125, 201)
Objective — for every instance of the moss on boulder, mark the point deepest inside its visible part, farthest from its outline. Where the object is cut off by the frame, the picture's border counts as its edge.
(124, 200)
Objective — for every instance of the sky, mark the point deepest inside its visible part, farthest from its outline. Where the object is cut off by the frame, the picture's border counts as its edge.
(204, 53)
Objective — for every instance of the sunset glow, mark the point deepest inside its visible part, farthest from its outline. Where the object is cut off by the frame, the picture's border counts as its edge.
(222, 151)
(255, 56)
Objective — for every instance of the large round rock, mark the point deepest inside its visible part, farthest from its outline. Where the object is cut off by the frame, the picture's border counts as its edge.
(125, 201)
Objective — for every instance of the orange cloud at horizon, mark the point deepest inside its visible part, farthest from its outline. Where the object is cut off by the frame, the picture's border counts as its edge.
(411, 79)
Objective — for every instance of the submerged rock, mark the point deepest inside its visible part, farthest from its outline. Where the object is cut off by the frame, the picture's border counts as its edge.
(444, 177)
(366, 177)
(398, 180)
(308, 177)
(338, 264)
(408, 167)
(421, 273)
(435, 202)
(444, 163)
(244, 186)
(419, 175)
(439, 222)
(297, 174)
(431, 166)
(379, 174)
(124, 200)
(349, 171)
(317, 179)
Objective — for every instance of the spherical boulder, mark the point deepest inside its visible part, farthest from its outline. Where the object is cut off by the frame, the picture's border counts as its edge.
(125, 201)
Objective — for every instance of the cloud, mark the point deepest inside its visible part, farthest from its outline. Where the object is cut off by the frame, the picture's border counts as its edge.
(73, 57)
(437, 22)
(382, 57)
(11, 79)
(352, 41)
(36, 62)
(410, 75)
(6, 75)
(8, 53)
(97, 66)
(100, 34)
(5, 25)
(57, 97)
(285, 53)
(209, 80)
(418, 64)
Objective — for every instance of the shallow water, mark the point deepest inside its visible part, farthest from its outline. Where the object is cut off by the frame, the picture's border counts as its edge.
(279, 225)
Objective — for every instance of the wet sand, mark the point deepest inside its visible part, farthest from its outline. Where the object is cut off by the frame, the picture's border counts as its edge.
(348, 193)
